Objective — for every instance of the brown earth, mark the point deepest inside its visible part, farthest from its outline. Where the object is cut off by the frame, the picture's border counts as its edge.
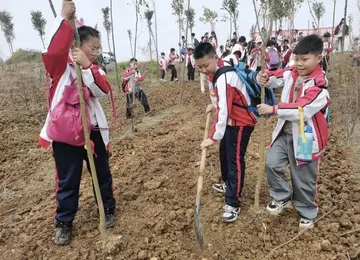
(155, 172)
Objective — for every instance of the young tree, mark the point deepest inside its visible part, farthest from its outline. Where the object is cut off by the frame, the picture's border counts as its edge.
(190, 17)
(231, 6)
(113, 40)
(209, 16)
(52, 8)
(156, 37)
(39, 23)
(7, 27)
(178, 10)
(107, 24)
(149, 15)
(319, 11)
(344, 31)
(333, 18)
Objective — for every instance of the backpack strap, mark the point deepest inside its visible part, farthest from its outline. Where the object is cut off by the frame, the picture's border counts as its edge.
(221, 71)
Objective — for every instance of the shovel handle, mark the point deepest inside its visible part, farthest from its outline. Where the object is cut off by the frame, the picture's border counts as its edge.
(203, 158)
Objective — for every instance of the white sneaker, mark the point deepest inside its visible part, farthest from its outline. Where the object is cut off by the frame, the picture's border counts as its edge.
(276, 207)
(306, 223)
(230, 214)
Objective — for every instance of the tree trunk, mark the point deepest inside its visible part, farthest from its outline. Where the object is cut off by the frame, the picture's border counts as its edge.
(156, 39)
(235, 24)
(52, 8)
(131, 46)
(184, 67)
(113, 40)
(333, 19)
(344, 27)
(42, 41)
(150, 50)
(135, 47)
(231, 33)
(108, 39)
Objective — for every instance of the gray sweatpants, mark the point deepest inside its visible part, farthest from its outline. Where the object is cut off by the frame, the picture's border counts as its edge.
(303, 177)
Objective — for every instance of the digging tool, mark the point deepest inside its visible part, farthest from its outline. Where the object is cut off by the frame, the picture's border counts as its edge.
(260, 173)
(198, 228)
(87, 135)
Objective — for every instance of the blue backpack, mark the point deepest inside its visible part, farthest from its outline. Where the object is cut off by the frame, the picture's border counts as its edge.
(248, 77)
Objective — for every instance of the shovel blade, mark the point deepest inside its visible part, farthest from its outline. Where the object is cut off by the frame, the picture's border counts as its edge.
(198, 227)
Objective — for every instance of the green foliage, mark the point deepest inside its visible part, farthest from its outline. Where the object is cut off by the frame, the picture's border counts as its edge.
(149, 15)
(106, 17)
(190, 17)
(38, 22)
(178, 10)
(24, 56)
(7, 26)
(319, 10)
(231, 6)
(209, 16)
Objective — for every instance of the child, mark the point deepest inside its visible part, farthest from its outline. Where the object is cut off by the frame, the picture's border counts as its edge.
(163, 65)
(286, 53)
(60, 65)
(239, 46)
(190, 64)
(233, 127)
(171, 64)
(305, 87)
(273, 61)
(132, 71)
(328, 48)
(255, 56)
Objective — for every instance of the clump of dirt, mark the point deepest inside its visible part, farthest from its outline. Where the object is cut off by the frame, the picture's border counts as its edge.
(155, 171)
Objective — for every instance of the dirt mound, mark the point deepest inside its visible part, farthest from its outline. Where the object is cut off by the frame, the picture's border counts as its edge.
(155, 171)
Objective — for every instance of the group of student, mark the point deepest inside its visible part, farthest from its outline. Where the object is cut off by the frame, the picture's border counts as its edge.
(304, 96)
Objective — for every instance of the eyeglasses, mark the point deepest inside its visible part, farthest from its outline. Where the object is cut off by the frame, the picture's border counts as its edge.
(93, 50)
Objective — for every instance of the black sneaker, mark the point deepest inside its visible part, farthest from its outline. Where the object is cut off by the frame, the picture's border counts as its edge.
(109, 218)
(63, 233)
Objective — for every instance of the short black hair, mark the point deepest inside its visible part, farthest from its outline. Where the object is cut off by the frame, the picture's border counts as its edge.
(221, 46)
(327, 35)
(193, 34)
(85, 32)
(163, 53)
(311, 44)
(204, 49)
(133, 59)
(242, 39)
(172, 49)
(233, 40)
(237, 53)
(286, 40)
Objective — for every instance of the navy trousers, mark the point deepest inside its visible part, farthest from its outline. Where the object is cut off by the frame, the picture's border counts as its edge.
(232, 161)
(69, 163)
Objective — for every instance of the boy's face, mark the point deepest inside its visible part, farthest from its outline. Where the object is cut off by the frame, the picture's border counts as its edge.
(305, 64)
(207, 65)
(326, 39)
(134, 64)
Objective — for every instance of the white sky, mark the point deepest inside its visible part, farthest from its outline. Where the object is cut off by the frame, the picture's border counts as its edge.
(124, 19)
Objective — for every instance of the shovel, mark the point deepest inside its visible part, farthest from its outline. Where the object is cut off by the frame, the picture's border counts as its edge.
(198, 228)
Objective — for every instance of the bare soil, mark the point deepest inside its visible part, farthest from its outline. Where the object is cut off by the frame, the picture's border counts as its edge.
(155, 171)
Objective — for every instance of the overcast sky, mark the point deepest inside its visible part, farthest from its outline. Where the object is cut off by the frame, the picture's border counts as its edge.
(124, 19)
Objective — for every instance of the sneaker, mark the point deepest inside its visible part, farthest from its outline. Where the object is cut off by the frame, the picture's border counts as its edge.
(176, 79)
(306, 223)
(230, 214)
(220, 187)
(63, 233)
(276, 207)
(109, 218)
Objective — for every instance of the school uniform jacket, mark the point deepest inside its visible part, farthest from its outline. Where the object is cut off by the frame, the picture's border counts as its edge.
(313, 97)
(232, 103)
(162, 63)
(60, 65)
(127, 74)
(190, 59)
(328, 48)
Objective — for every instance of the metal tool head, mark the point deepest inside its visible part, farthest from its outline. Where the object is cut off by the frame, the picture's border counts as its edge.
(198, 227)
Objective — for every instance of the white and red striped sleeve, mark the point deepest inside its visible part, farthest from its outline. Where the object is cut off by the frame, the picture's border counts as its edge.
(95, 79)
(223, 110)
